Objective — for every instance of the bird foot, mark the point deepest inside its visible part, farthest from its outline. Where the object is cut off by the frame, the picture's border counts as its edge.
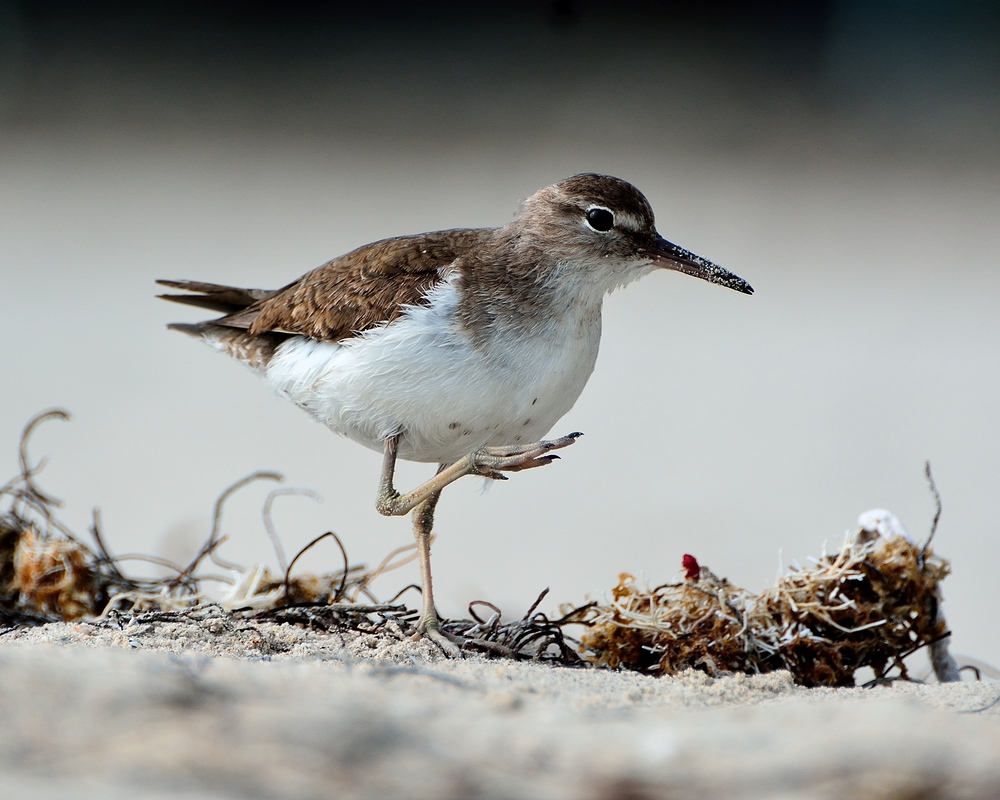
(491, 461)
(431, 629)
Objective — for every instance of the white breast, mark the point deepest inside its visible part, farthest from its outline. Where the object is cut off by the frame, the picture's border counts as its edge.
(421, 377)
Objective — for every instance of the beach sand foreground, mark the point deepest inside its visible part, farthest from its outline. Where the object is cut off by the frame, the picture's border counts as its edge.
(218, 709)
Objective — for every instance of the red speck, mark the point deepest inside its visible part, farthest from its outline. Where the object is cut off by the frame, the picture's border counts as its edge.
(691, 569)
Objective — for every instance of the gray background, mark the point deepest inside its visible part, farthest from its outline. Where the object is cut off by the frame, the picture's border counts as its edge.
(843, 159)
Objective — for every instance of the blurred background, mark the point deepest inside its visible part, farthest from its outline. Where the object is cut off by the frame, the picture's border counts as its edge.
(842, 156)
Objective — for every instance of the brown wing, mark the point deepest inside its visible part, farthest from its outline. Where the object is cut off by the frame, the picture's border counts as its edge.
(360, 290)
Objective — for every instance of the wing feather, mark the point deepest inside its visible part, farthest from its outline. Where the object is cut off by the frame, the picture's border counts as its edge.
(357, 291)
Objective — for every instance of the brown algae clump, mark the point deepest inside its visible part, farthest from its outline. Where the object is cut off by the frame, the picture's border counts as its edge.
(869, 605)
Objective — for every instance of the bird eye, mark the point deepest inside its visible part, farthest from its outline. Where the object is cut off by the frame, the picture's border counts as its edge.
(600, 219)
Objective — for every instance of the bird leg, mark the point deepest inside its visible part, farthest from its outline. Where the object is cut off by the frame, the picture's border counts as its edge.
(429, 623)
(486, 461)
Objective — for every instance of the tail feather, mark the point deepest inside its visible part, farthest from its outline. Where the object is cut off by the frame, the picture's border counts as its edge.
(213, 296)
(197, 329)
(253, 350)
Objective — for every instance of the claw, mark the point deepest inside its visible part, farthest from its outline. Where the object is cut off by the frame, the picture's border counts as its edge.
(539, 461)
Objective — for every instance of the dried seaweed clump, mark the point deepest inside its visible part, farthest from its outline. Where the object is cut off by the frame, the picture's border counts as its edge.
(54, 577)
(869, 605)
(48, 574)
(697, 623)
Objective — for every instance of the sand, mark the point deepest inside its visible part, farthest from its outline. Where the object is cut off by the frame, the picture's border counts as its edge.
(217, 708)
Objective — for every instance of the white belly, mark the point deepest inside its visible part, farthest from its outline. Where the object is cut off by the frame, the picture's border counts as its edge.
(420, 377)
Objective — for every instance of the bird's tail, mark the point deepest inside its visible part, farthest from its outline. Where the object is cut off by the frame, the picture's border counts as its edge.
(253, 350)
(213, 296)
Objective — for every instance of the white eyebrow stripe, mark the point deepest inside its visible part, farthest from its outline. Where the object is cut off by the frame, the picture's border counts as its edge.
(630, 221)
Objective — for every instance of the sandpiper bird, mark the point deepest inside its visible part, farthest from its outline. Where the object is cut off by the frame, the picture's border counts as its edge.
(460, 347)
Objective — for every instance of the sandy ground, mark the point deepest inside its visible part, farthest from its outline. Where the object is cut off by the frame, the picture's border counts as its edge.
(214, 709)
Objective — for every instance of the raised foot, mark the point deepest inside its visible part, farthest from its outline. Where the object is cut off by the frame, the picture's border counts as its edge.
(491, 461)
